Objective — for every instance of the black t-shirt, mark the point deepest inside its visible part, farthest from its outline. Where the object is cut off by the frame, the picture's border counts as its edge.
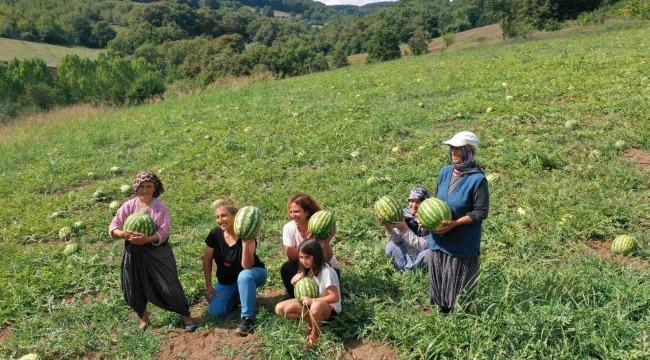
(228, 258)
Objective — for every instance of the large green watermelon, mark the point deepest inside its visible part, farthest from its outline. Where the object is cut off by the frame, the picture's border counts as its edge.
(623, 245)
(140, 222)
(248, 222)
(388, 210)
(432, 212)
(320, 224)
(306, 287)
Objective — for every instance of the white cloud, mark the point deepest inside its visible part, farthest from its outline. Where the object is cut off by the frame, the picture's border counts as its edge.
(350, 2)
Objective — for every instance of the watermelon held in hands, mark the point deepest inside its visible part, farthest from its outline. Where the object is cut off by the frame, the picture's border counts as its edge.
(388, 210)
(248, 222)
(306, 287)
(432, 212)
(623, 245)
(320, 224)
(141, 223)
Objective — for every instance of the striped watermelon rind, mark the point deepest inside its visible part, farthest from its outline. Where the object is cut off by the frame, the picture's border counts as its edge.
(70, 249)
(320, 224)
(388, 210)
(623, 245)
(306, 287)
(248, 222)
(432, 212)
(140, 222)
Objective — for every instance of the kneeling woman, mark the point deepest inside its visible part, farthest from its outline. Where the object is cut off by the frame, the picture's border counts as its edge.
(239, 270)
(327, 304)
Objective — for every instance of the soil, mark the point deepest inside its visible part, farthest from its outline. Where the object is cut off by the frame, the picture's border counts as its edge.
(4, 333)
(639, 157)
(601, 249)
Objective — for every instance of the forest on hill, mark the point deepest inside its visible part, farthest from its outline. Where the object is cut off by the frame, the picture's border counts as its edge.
(197, 42)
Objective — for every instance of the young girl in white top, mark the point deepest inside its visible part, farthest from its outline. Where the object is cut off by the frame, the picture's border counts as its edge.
(327, 304)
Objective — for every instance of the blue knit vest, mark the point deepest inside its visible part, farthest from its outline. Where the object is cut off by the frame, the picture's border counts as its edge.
(463, 240)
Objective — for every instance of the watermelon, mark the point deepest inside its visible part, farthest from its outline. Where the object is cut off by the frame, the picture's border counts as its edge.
(99, 195)
(623, 245)
(388, 210)
(320, 224)
(65, 233)
(432, 212)
(127, 190)
(140, 222)
(620, 145)
(30, 357)
(216, 202)
(306, 287)
(493, 177)
(92, 175)
(70, 249)
(116, 170)
(114, 206)
(248, 222)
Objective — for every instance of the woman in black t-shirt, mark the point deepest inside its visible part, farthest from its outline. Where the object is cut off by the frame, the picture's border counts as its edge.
(239, 270)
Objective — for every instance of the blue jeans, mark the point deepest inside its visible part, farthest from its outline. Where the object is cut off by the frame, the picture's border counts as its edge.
(402, 260)
(246, 289)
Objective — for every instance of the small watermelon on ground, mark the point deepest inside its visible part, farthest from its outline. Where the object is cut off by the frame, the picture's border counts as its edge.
(116, 170)
(432, 212)
(140, 222)
(65, 233)
(320, 224)
(70, 249)
(30, 357)
(217, 202)
(623, 245)
(248, 222)
(99, 195)
(620, 145)
(492, 178)
(91, 175)
(388, 210)
(114, 206)
(305, 287)
(127, 190)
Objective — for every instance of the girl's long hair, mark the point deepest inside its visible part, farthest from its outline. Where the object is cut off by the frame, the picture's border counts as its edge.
(313, 248)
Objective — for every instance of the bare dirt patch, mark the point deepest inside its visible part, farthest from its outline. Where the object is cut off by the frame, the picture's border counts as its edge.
(360, 349)
(216, 343)
(4, 333)
(639, 157)
(602, 250)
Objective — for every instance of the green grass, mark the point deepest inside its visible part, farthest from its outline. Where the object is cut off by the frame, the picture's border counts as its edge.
(543, 292)
(52, 54)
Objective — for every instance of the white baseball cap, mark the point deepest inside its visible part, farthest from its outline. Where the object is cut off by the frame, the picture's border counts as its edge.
(463, 138)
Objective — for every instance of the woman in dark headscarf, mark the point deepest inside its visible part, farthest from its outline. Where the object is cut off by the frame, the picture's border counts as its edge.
(409, 243)
(148, 270)
(455, 245)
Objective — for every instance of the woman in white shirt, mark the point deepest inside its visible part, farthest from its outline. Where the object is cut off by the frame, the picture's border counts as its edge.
(299, 209)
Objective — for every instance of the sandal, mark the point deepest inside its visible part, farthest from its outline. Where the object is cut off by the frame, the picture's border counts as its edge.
(141, 329)
(311, 340)
(190, 327)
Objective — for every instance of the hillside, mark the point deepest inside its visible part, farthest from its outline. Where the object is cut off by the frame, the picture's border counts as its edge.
(563, 122)
(52, 54)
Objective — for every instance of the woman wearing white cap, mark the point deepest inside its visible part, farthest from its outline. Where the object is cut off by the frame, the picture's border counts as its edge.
(455, 246)
(409, 242)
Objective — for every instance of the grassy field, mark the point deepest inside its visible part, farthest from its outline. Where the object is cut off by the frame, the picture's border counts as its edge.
(52, 54)
(548, 112)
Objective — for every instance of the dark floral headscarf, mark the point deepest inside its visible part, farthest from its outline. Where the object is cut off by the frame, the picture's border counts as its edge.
(148, 176)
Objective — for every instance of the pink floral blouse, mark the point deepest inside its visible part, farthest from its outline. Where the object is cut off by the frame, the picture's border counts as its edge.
(157, 210)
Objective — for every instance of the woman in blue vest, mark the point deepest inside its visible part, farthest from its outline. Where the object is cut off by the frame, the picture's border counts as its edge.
(455, 246)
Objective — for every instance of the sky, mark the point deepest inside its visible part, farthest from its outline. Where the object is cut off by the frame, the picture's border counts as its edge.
(349, 2)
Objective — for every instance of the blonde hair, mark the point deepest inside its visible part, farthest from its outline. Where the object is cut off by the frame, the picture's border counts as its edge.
(228, 206)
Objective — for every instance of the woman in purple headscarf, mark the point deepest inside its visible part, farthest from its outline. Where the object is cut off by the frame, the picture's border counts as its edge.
(409, 243)
(148, 271)
(455, 257)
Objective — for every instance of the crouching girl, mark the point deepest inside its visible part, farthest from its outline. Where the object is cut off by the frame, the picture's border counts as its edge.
(328, 303)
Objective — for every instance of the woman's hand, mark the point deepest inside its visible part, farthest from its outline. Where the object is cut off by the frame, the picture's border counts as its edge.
(446, 226)
(137, 238)
(296, 278)
(307, 300)
(208, 292)
(401, 225)
(331, 236)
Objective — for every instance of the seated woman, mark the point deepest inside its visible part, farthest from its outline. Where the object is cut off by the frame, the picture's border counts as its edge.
(328, 302)
(409, 243)
(239, 270)
(299, 209)
(148, 271)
